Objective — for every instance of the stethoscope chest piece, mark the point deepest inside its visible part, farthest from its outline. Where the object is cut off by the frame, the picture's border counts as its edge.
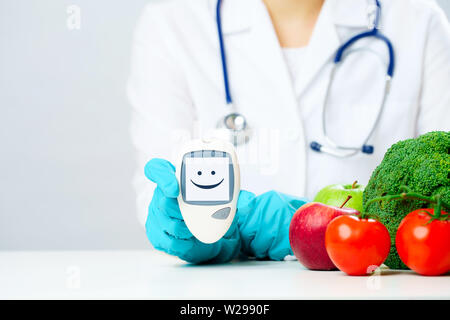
(234, 128)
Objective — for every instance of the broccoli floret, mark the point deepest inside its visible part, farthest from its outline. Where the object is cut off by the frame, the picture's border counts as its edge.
(421, 164)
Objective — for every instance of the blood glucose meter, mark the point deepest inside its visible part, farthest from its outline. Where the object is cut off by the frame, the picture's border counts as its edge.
(209, 180)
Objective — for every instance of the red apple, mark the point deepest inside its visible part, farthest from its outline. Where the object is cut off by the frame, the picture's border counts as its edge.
(307, 233)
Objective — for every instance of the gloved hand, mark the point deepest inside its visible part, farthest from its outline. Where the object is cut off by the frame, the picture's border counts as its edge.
(261, 225)
(165, 226)
(264, 224)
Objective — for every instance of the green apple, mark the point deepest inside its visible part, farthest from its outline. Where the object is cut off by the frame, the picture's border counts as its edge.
(336, 194)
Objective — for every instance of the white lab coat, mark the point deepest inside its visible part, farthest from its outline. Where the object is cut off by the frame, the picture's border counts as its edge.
(176, 88)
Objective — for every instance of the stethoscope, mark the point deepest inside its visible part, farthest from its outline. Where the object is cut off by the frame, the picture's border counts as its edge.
(237, 128)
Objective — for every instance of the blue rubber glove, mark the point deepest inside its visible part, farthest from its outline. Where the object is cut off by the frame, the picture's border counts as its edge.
(264, 225)
(261, 226)
(165, 226)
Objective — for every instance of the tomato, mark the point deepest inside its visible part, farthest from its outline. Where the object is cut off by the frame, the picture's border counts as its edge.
(422, 245)
(357, 246)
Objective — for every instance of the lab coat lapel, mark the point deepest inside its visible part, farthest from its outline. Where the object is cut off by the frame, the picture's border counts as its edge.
(268, 55)
(322, 45)
(239, 16)
(325, 40)
(251, 18)
(274, 90)
(352, 13)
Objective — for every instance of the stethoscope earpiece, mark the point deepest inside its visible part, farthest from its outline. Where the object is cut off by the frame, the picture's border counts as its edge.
(315, 146)
(367, 149)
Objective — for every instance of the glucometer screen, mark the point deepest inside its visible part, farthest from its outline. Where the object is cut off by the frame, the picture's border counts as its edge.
(207, 177)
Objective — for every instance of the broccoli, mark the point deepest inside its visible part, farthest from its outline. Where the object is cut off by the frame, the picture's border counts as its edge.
(421, 164)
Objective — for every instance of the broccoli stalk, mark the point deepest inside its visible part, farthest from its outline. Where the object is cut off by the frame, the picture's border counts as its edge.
(435, 201)
(421, 164)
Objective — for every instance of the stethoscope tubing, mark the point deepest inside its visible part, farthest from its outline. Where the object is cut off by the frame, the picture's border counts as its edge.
(223, 57)
(365, 148)
(330, 141)
(374, 32)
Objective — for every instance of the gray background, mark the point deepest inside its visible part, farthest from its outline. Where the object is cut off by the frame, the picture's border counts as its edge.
(66, 159)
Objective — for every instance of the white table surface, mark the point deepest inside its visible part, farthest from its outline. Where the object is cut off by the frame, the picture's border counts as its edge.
(154, 275)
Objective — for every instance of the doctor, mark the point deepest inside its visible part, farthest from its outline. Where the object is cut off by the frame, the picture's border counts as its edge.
(279, 59)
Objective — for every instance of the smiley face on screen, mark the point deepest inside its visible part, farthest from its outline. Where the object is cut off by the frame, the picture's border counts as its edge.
(209, 186)
(207, 179)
